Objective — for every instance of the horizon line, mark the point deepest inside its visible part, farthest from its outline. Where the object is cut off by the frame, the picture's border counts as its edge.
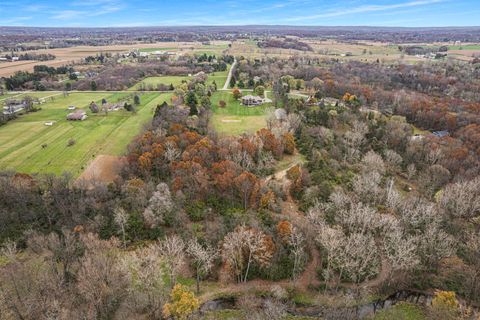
(239, 25)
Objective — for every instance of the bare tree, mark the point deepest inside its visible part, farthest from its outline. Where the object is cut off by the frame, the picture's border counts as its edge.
(435, 244)
(411, 170)
(393, 159)
(245, 246)
(367, 187)
(171, 152)
(297, 243)
(146, 290)
(462, 199)
(354, 139)
(121, 218)
(332, 240)
(401, 250)
(373, 162)
(394, 198)
(172, 249)
(159, 205)
(203, 258)
(101, 281)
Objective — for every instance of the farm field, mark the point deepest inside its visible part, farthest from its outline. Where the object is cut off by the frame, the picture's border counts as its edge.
(465, 47)
(236, 119)
(67, 55)
(367, 51)
(21, 140)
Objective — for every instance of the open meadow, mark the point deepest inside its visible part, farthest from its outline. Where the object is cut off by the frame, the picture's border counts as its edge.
(21, 140)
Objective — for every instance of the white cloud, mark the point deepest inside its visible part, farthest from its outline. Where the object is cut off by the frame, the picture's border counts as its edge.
(67, 14)
(14, 21)
(365, 9)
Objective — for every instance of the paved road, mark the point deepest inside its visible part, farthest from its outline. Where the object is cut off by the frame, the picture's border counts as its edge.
(229, 77)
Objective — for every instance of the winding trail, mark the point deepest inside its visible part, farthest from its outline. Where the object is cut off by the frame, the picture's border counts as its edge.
(309, 277)
(229, 77)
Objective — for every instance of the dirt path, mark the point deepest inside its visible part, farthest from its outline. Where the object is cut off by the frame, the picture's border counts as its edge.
(229, 77)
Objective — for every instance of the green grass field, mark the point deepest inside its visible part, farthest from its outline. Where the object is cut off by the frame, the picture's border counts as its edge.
(37, 94)
(155, 81)
(236, 119)
(465, 47)
(21, 140)
(219, 78)
(403, 311)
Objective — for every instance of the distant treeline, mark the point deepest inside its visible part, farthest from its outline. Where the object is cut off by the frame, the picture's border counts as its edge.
(31, 56)
(285, 44)
(40, 72)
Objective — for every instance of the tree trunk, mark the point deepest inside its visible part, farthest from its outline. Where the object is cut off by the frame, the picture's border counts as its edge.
(248, 266)
(198, 282)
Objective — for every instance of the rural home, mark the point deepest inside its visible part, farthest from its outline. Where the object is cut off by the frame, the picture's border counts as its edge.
(252, 100)
(332, 102)
(78, 115)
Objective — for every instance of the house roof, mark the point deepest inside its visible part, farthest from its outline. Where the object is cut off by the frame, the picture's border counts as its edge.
(441, 134)
(249, 97)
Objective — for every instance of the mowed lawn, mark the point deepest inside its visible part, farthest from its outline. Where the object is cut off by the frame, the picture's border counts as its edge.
(236, 119)
(21, 140)
(153, 82)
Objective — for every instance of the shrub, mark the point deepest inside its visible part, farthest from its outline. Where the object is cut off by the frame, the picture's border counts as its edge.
(71, 142)
(183, 303)
(196, 211)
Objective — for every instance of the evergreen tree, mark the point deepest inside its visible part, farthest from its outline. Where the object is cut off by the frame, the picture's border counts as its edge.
(191, 101)
(136, 99)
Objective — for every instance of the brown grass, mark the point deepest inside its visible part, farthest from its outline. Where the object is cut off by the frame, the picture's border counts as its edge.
(327, 49)
(103, 169)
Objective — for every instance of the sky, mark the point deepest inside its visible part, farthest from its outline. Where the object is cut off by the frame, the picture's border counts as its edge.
(124, 13)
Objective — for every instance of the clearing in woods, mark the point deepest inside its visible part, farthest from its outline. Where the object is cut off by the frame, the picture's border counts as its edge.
(235, 118)
(28, 145)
